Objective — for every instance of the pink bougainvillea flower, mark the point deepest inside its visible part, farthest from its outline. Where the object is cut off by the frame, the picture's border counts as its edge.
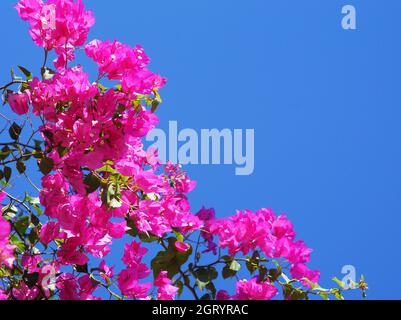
(68, 285)
(166, 290)
(6, 250)
(252, 290)
(181, 246)
(222, 295)
(128, 283)
(106, 272)
(301, 272)
(31, 262)
(19, 102)
(49, 232)
(3, 295)
(121, 62)
(57, 24)
(23, 292)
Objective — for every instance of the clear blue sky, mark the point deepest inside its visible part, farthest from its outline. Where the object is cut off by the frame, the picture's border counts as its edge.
(325, 105)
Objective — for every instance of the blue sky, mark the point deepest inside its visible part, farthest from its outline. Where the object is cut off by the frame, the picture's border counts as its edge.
(324, 102)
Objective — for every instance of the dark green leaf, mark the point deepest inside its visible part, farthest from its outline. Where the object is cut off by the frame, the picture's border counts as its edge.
(35, 220)
(274, 274)
(5, 152)
(22, 224)
(26, 72)
(15, 131)
(180, 287)
(46, 165)
(62, 151)
(81, 269)
(155, 105)
(92, 183)
(31, 279)
(227, 258)
(21, 167)
(14, 240)
(227, 272)
(7, 173)
(33, 236)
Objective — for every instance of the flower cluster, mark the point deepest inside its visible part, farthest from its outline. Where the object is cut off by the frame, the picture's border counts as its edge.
(274, 236)
(123, 63)
(6, 250)
(58, 25)
(252, 290)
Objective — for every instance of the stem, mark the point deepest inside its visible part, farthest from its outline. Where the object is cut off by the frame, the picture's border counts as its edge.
(12, 83)
(45, 59)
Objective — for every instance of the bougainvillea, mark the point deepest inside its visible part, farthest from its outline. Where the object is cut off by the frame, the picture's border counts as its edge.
(100, 184)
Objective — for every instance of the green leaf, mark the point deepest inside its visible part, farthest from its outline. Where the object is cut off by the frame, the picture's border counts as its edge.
(155, 105)
(178, 284)
(274, 274)
(170, 260)
(251, 267)
(227, 272)
(164, 261)
(179, 235)
(15, 131)
(22, 224)
(324, 295)
(337, 294)
(298, 294)
(263, 272)
(7, 173)
(26, 72)
(92, 183)
(235, 266)
(107, 168)
(62, 151)
(227, 258)
(4, 272)
(205, 297)
(212, 289)
(81, 269)
(5, 153)
(101, 87)
(46, 165)
(14, 240)
(35, 220)
(148, 238)
(33, 236)
(339, 282)
(9, 211)
(59, 242)
(201, 285)
(21, 167)
(31, 279)
(206, 275)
